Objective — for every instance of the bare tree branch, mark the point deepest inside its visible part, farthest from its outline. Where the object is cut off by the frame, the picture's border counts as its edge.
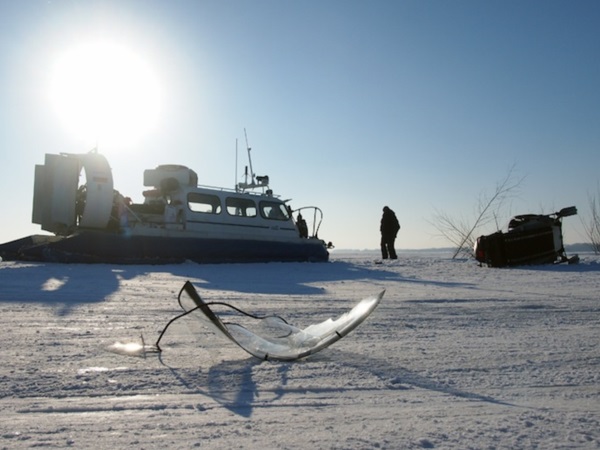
(592, 228)
(461, 233)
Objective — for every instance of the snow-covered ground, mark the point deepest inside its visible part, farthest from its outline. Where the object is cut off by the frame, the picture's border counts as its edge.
(456, 356)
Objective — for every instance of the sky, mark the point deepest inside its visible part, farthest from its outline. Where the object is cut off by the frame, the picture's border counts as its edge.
(423, 106)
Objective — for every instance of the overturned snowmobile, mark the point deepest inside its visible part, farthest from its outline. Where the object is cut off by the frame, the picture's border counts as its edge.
(531, 239)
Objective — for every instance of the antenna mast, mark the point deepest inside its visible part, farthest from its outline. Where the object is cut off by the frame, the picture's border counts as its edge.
(249, 158)
(255, 182)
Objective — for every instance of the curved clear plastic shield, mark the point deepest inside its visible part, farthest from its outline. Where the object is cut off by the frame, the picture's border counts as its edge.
(273, 338)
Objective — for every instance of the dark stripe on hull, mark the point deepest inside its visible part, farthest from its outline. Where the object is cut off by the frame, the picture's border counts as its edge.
(95, 247)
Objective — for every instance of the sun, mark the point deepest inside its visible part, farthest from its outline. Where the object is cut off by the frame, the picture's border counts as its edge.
(103, 92)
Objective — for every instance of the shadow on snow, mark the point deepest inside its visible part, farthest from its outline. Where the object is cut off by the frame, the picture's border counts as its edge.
(231, 383)
(69, 285)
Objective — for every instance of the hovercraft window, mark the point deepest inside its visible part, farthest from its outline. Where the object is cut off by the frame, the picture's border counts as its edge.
(204, 203)
(241, 207)
(274, 210)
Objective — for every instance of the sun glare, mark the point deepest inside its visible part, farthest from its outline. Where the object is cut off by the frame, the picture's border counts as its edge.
(104, 93)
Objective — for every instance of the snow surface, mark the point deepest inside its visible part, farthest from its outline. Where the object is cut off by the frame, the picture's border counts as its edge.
(455, 356)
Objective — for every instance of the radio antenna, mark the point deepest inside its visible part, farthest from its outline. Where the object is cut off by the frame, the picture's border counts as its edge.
(236, 162)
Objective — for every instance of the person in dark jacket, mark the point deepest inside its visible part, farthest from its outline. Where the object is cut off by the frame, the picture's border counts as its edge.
(389, 230)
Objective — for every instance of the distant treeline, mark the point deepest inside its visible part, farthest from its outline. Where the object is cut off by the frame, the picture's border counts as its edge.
(581, 247)
(570, 248)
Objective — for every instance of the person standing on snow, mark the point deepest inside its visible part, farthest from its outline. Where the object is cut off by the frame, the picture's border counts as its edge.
(389, 230)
